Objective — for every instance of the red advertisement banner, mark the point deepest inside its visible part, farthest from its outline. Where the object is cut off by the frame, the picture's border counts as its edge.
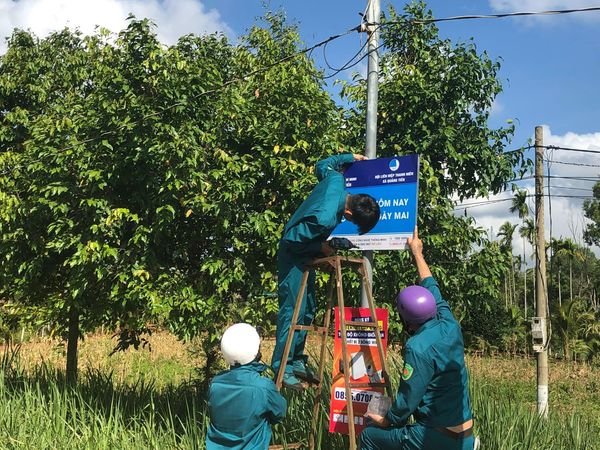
(365, 367)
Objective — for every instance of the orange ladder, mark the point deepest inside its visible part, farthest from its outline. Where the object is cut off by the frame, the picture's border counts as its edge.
(333, 265)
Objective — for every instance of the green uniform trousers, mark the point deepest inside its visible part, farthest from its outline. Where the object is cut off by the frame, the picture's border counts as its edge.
(411, 437)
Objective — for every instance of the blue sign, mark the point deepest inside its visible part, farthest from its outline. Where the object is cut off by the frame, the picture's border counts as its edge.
(393, 182)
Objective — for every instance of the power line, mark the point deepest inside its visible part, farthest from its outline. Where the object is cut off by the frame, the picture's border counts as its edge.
(516, 150)
(350, 64)
(531, 177)
(553, 161)
(499, 200)
(571, 149)
(344, 66)
(572, 188)
(592, 179)
(495, 16)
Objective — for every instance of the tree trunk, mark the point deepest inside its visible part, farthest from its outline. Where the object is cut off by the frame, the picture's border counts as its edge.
(512, 282)
(72, 343)
(571, 279)
(566, 348)
(525, 291)
(559, 293)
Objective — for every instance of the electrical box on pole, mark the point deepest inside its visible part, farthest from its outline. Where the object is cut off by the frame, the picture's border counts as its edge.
(539, 334)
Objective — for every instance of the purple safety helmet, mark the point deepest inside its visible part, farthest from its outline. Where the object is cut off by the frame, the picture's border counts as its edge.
(416, 305)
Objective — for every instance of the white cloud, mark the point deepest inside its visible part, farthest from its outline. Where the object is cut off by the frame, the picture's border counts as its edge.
(504, 6)
(173, 18)
(567, 210)
(497, 107)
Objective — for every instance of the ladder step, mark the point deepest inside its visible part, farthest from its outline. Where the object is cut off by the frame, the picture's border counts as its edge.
(344, 260)
(364, 385)
(361, 324)
(310, 328)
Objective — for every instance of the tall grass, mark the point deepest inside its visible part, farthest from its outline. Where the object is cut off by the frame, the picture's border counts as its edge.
(38, 410)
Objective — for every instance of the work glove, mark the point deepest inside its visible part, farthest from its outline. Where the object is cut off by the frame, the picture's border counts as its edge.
(341, 244)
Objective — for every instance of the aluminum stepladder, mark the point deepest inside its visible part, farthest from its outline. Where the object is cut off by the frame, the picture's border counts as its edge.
(333, 265)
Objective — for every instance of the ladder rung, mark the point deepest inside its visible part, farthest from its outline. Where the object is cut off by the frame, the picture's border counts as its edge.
(364, 385)
(361, 324)
(328, 261)
(310, 328)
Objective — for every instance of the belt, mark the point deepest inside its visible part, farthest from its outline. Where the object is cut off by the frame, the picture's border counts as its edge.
(454, 435)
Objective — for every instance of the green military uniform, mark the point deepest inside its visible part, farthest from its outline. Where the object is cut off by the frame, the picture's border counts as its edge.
(434, 388)
(242, 406)
(309, 227)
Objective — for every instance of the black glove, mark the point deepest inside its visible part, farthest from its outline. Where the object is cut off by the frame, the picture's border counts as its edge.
(341, 244)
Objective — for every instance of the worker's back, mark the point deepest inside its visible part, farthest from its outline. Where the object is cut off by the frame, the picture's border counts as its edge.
(242, 406)
(439, 344)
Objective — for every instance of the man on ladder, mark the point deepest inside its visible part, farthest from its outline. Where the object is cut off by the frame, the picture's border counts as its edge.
(434, 386)
(304, 238)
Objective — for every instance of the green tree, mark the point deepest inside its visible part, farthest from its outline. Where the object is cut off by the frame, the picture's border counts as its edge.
(591, 209)
(577, 328)
(506, 232)
(138, 186)
(519, 206)
(569, 248)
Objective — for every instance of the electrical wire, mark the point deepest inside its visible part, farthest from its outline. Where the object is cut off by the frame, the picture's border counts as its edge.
(495, 16)
(572, 188)
(570, 149)
(553, 161)
(516, 150)
(557, 177)
(348, 64)
(499, 200)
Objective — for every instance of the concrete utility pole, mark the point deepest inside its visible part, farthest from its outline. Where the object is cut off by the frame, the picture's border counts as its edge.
(373, 17)
(540, 323)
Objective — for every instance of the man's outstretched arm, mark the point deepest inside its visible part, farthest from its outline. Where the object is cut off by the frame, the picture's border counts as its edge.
(416, 247)
(426, 279)
(334, 163)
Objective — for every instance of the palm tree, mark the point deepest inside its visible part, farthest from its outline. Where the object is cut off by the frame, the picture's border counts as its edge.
(556, 245)
(519, 206)
(571, 250)
(574, 325)
(506, 232)
(527, 232)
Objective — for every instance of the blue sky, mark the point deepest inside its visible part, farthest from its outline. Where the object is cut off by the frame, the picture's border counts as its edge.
(550, 65)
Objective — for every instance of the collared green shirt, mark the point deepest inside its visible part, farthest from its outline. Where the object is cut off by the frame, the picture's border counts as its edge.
(435, 384)
(242, 405)
(320, 213)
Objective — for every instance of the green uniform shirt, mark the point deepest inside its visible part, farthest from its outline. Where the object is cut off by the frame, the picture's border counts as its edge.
(434, 383)
(242, 406)
(319, 214)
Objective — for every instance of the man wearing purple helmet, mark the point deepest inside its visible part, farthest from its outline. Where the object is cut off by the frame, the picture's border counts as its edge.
(434, 386)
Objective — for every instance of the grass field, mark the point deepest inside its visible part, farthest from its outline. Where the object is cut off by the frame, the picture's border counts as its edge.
(149, 400)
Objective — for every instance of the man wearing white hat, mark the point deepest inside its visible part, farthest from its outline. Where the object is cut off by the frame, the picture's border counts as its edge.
(242, 403)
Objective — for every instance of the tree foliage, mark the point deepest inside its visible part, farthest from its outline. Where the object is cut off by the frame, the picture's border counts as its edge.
(591, 209)
(136, 188)
(143, 184)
